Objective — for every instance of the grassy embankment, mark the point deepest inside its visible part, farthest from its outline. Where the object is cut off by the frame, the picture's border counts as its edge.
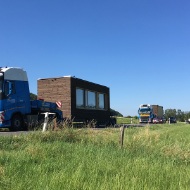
(153, 157)
(123, 120)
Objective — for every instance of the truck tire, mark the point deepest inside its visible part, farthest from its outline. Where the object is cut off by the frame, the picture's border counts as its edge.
(17, 123)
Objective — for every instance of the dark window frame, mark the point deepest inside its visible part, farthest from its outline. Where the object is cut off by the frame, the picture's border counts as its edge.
(85, 99)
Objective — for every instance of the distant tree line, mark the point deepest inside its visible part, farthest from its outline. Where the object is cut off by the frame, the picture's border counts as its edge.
(33, 96)
(178, 114)
(115, 113)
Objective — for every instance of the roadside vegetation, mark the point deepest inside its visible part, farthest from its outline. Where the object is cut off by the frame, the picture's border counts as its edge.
(127, 120)
(152, 157)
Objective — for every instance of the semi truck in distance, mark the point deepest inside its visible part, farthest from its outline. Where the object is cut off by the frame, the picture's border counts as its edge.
(16, 108)
(148, 112)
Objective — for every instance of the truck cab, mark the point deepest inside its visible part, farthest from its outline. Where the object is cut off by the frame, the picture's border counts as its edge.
(15, 102)
(145, 113)
(14, 96)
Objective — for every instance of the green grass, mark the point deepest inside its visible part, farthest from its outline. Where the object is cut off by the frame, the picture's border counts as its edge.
(153, 157)
(124, 120)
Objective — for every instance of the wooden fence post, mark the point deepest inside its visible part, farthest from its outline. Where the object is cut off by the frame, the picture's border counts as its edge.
(122, 129)
(55, 124)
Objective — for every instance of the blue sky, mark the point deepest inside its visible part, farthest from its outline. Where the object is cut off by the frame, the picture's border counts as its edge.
(140, 49)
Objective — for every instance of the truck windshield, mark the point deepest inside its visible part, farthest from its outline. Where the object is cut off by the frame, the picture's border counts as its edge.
(144, 110)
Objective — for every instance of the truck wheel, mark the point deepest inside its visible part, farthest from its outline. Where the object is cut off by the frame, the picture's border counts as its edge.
(16, 123)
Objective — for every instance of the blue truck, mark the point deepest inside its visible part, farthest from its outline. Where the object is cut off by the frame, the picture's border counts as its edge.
(148, 112)
(16, 108)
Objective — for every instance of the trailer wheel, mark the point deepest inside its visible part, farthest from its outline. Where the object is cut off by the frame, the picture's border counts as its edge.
(17, 123)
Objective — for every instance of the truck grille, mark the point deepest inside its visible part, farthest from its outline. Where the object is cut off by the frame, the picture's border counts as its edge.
(144, 119)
